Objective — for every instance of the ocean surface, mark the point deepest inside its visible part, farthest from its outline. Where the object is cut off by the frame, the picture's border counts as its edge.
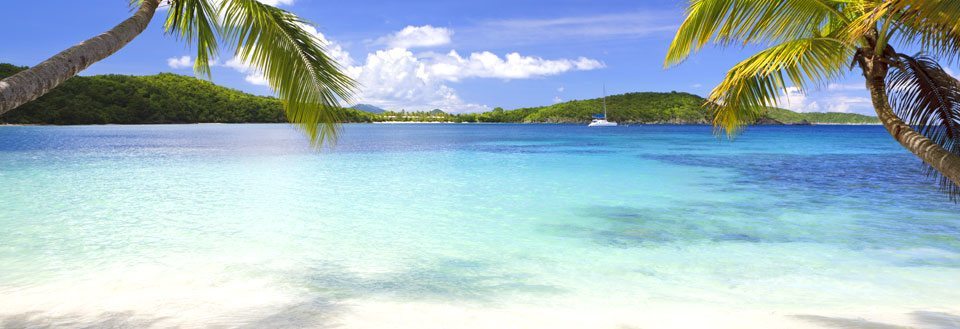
(472, 226)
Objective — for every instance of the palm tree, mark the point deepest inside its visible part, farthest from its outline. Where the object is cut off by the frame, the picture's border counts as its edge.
(274, 41)
(813, 42)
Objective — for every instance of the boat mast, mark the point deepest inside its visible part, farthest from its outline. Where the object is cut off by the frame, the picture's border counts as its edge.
(604, 101)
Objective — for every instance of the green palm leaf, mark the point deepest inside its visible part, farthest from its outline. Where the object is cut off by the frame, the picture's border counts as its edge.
(292, 60)
(929, 25)
(275, 43)
(754, 84)
(749, 21)
(194, 21)
(814, 41)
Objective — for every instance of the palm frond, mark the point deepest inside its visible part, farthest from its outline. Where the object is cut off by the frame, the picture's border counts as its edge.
(195, 22)
(930, 25)
(749, 21)
(755, 83)
(293, 61)
(926, 97)
(865, 19)
(942, 13)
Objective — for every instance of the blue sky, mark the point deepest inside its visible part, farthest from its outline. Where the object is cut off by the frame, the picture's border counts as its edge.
(456, 55)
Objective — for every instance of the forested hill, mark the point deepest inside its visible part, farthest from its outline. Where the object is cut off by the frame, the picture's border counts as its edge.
(788, 116)
(171, 98)
(653, 107)
(644, 107)
(161, 98)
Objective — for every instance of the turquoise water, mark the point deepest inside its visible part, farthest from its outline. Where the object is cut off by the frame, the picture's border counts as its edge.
(494, 226)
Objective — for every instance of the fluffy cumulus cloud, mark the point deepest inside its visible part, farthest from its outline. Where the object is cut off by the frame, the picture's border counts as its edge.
(795, 100)
(253, 76)
(417, 37)
(180, 62)
(397, 78)
(485, 64)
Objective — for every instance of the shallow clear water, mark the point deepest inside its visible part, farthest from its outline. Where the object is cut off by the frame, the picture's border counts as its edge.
(471, 226)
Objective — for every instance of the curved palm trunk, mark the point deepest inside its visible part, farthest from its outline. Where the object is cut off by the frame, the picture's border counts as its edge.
(38, 80)
(948, 164)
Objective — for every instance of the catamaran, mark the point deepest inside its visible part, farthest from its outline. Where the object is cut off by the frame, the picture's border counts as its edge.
(600, 120)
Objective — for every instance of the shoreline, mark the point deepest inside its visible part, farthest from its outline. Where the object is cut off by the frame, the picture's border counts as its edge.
(416, 122)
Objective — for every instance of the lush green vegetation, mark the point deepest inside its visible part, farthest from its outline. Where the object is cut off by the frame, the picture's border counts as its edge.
(171, 98)
(787, 116)
(161, 98)
(368, 108)
(646, 107)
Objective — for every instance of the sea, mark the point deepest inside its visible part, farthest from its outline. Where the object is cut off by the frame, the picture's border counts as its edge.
(472, 226)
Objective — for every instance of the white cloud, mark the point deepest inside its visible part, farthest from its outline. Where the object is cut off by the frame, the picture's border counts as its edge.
(396, 78)
(795, 100)
(561, 89)
(557, 99)
(485, 64)
(256, 79)
(847, 104)
(253, 76)
(180, 62)
(277, 2)
(417, 37)
(846, 87)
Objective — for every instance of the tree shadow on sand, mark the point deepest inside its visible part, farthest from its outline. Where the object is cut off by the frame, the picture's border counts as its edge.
(921, 319)
(448, 280)
(38, 319)
(315, 313)
(331, 289)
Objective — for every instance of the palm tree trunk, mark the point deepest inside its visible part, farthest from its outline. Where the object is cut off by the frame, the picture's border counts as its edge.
(948, 164)
(32, 83)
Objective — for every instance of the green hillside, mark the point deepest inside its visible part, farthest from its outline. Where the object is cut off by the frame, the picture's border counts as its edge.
(645, 107)
(171, 98)
(161, 98)
(368, 108)
(648, 108)
(787, 116)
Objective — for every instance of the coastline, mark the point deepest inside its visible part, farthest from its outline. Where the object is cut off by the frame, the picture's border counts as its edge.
(418, 122)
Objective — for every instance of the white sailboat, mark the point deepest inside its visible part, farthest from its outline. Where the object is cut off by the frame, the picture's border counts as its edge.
(601, 120)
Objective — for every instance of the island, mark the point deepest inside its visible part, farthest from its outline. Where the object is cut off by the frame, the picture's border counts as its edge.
(170, 98)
